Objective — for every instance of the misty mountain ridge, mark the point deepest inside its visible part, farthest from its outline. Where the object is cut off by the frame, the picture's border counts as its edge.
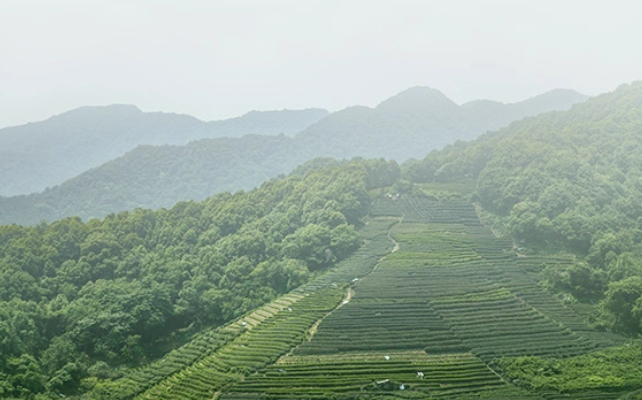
(46, 153)
(421, 119)
(418, 99)
(412, 123)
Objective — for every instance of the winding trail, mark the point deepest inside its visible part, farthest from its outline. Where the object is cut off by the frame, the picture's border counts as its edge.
(313, 328)
(349, 293)
(393, 241)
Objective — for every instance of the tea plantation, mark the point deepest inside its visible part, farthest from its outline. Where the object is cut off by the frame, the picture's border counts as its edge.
(432, 306)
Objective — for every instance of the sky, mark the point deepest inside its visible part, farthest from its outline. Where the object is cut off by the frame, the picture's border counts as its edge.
(220, 59)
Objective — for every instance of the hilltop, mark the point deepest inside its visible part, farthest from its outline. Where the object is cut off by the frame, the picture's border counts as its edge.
(418, 120)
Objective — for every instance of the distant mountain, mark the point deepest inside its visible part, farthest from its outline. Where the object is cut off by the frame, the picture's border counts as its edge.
(43, 154)
(158, 176)
(498, 115)
(418, 120)
(287, 122)
(409, 124)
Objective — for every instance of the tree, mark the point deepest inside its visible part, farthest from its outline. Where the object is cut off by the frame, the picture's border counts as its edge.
(621, 307)
(309, 244)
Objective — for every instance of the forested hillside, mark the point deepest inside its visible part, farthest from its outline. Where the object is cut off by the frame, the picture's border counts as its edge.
(43, 154)
(77, 299)
(159, 176)
(409, 124)
(566, 181)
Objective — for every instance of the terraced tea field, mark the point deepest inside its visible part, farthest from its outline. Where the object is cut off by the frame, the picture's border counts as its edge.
(253, 349)
(312, 376)
(219, 357)
(423, 322)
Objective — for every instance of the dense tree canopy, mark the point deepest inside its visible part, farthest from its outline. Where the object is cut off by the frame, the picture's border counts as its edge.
(77, 298)
(568, 181)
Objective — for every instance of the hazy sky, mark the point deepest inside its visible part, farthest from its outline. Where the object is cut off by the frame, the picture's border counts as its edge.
(218, 59)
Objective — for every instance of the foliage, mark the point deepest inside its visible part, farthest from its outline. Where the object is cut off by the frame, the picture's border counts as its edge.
(614, 369)
(622, 305)
(564, 181)
(562, 177)
(79, 299)
(163, 176)
(428, 318)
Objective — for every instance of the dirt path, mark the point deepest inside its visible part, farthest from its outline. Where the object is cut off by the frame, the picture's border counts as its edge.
(346, 300)
(347, 297)
(393, 241)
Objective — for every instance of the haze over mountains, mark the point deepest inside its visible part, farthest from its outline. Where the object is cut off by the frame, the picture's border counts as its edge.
(407, 125)
(46, 153)
(418, 120)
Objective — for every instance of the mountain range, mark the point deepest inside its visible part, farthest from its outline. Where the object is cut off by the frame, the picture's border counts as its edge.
(419, 120)
(44, 154)
(410, 124)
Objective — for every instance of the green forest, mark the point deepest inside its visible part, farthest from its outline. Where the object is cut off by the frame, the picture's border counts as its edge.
(565, 182)
(79, 299)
